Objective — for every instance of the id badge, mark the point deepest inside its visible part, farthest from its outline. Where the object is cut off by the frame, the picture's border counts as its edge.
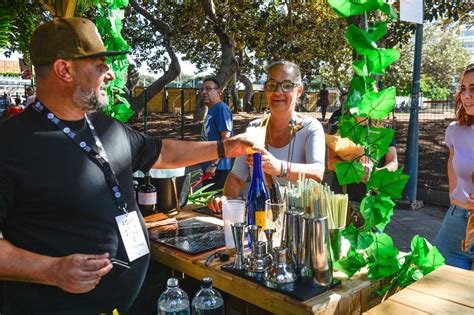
(132, 235)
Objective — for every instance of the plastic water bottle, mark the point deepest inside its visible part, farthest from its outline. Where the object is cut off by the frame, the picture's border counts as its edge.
(207, 301)
(173, 301)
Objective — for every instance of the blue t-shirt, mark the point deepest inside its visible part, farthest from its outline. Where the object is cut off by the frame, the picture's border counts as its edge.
(219, 118)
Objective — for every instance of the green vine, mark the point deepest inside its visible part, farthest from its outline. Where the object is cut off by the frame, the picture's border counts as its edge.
(370, 247)
(109, 24)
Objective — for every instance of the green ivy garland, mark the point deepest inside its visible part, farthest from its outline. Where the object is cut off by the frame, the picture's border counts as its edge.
(109, 24)
(370, 247)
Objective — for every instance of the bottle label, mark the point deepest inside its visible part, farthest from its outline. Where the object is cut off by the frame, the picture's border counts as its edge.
(147, 199)
(260, 219)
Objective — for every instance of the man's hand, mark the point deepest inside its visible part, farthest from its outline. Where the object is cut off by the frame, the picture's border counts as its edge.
(79, 273)
(210, 170)
(237, 146)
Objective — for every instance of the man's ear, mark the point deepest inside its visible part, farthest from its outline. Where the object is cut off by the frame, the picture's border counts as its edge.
(63, 69)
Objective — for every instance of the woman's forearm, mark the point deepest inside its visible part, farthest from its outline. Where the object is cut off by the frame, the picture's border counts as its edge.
(314, 171)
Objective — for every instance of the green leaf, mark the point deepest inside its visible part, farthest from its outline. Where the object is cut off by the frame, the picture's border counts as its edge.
(348, 8)
(376, 211)
(359, 86)
(388, 183)
(411, 275)
(350, 129)
(378, 31)
(420, 248)
(383, 267)
(382, 247)
(378, 105)
(349, 172)
(380, 59)
(360, 67)
(350, 264)
(351, 233)
(378, 141)
(360, 40)
(435, 260)
(365, 240)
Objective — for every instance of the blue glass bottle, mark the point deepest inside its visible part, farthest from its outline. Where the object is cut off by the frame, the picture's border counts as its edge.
(257, 195)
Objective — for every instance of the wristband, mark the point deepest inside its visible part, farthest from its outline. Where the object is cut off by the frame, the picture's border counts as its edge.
(220, 149)
(284, 169)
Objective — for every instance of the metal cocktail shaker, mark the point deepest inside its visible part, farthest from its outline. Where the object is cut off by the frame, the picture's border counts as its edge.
(320, 248)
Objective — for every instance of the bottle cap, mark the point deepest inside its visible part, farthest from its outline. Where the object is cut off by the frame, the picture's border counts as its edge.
(172, 282)
(206, 283)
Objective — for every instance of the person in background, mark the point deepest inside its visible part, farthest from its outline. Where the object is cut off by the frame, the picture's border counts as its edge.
(334, 119)
(14, 108)
(282, 89)
(323, 101)
(30, 95)
(455, 238)
(67, 206)
(218, 125)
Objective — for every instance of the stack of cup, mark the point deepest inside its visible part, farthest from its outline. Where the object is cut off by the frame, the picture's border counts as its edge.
(233, 211)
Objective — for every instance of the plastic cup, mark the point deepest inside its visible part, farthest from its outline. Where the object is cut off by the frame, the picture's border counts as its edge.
(233, 211)
(257, 136)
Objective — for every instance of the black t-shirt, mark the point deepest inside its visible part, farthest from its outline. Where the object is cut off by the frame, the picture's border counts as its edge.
(54, 200)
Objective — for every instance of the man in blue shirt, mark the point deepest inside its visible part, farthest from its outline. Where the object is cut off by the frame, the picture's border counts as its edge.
(218, 125)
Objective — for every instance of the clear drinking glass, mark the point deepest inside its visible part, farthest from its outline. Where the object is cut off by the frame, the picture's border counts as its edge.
(274, 219)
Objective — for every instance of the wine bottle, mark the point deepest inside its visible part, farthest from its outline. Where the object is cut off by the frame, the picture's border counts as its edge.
(257, 195)
(146, 195)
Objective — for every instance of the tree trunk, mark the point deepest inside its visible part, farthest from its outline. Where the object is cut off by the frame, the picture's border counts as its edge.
(248, 93)
(235, 93)
(138, 102)
(228, 65)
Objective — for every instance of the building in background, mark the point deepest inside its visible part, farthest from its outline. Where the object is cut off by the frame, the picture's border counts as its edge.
(467, 38)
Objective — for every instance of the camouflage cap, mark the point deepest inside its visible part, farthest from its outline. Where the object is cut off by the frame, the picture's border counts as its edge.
(67, 38)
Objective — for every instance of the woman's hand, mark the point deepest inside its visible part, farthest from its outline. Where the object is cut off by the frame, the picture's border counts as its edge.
(270, 164)
(215, 203)
(468, 205)
(368, 165)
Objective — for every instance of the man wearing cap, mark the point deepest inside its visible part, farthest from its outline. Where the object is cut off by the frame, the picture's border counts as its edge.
(74, 240)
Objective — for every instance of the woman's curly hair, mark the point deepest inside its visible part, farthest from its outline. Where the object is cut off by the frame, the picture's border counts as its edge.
(462, 117)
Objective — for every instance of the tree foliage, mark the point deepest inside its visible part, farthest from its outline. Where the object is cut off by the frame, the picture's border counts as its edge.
(443, 59)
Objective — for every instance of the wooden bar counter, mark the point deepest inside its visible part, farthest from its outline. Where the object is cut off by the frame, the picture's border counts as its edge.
(352, 296)
(447, 290)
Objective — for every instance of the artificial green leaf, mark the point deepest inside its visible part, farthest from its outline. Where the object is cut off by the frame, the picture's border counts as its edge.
(349, 172)
(350, 264)
(360, 68)
(378, 141)
(364, 240)
(378, 105)
(348, 128)
(388, 183)
(383, 267)
(356, 92)
(387, 9)
(360, 40)
(413, 274)
(419, 250)
(378, 31)
(435, 260)
(351, 233)
(382, 247)
(348, 8)
(378, 60)
(376, 210)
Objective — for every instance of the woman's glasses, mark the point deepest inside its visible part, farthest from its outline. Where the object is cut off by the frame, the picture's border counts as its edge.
(286, 86)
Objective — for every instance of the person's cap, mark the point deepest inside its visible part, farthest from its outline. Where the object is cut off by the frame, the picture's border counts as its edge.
(67, 38)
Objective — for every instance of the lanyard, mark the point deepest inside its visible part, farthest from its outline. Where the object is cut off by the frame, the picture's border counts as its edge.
(100, 157)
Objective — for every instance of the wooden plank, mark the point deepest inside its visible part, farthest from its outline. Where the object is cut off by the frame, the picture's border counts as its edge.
(393, 308)
(429, 303)
(448, 283)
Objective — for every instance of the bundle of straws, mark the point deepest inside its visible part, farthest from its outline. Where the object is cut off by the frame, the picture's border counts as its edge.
(317, 200)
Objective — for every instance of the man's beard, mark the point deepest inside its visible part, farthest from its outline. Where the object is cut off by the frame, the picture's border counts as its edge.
(88, 100)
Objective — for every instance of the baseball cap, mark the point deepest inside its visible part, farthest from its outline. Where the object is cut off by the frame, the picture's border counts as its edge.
(67, 38)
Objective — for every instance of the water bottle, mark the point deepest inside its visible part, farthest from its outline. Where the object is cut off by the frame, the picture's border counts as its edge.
(173, 301)
(257, 196)
(207, 301)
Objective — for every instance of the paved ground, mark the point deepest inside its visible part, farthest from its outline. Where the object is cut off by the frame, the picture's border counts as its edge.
(405, 224)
